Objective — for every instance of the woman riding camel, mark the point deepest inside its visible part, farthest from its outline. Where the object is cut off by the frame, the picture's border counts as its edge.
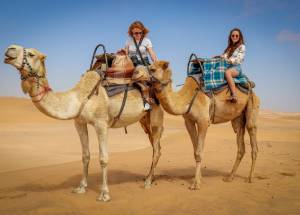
(138, 47)
(234, 54)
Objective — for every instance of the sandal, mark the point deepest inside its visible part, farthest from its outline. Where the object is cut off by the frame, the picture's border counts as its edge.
(232, 98)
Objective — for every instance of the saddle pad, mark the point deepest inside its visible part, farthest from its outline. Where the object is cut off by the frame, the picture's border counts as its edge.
(214, 74)
(112, 90)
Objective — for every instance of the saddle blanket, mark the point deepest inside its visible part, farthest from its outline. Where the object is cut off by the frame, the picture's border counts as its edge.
(214, 74)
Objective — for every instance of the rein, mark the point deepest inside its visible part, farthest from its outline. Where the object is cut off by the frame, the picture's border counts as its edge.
(162, 84)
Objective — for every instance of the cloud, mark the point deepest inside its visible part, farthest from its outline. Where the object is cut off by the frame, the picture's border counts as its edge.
(288, 36)
(255, 7)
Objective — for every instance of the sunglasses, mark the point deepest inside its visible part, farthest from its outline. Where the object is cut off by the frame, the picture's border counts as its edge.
(137, 33)
(235, 36)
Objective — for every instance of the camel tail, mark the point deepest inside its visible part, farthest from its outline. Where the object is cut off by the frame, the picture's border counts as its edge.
(252, 110)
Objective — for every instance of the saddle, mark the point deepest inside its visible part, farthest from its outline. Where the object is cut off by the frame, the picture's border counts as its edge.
(122, 66)
(118, 70)
(195, 70)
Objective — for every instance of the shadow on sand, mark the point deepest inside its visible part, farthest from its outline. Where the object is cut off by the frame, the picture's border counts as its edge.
(120, 177)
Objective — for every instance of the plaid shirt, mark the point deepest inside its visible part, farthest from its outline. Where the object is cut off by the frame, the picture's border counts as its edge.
(214, 74)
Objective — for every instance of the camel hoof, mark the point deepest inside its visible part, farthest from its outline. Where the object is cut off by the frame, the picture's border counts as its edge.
(104, 196)
(147, 184)
(228, 179)
(249, 180)
(195, 186)
(79, 190)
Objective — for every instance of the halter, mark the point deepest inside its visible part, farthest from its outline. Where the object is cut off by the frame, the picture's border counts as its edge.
(162, 84)
(33, 74)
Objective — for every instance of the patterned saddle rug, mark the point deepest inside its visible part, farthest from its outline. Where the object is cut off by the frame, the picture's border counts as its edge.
(210, 76)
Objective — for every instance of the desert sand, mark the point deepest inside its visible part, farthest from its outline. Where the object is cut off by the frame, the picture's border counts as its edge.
(40, 163)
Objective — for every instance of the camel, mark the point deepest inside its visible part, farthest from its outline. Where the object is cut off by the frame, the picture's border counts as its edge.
(86, 104)
(199, 111)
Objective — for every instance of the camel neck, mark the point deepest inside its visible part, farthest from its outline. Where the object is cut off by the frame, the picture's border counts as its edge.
(68, 105)
(177, 103)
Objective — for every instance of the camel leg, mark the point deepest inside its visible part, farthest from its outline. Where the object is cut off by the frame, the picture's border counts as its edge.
(101, 130)
(192, 130)
(251, 125)
(198, 153)
(153, 122)
(238, 125)
(84, 140)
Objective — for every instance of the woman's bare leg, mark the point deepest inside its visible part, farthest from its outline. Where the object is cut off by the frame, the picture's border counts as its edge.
(230, 74)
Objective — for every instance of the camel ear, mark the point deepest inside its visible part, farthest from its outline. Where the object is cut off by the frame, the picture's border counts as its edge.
(163, 64)
(43, 57)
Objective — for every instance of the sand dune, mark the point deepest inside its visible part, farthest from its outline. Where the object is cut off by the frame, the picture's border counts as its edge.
(40, 164)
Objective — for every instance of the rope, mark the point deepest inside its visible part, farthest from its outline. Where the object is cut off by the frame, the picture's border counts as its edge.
(116, 118)
(192, 101)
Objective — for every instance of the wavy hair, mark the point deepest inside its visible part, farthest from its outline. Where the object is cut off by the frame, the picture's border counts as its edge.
(232, 46)
(139, 25)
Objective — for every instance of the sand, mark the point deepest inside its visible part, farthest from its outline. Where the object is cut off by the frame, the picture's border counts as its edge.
(40, 163)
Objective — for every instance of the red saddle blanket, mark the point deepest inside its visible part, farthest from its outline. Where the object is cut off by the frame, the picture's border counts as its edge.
(122, 66)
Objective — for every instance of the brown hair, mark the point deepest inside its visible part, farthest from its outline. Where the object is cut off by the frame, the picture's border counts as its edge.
(232, 46)
(139, 25)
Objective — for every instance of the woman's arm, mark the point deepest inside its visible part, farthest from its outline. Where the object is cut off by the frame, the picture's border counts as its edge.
(152, 54)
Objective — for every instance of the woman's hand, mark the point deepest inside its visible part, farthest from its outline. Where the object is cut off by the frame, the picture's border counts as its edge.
(152, 54)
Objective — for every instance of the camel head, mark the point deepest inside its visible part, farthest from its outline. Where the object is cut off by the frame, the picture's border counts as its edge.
(141, 74)
(160, 71)
(161, 74)
(29, 62)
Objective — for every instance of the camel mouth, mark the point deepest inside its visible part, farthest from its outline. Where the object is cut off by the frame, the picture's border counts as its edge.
(8, 58)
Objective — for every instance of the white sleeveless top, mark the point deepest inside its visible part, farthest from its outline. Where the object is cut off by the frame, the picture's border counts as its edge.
(146, 43)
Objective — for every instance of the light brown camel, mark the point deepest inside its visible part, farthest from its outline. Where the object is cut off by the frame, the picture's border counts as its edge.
(205, 111)
(85, 108)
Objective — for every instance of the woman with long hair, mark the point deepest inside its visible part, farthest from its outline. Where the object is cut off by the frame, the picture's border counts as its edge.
(234, 54)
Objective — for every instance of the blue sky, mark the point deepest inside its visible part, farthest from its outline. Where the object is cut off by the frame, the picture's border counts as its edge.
(68, 31)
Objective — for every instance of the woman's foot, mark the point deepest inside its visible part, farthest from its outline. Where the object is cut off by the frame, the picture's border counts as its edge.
(233, 98)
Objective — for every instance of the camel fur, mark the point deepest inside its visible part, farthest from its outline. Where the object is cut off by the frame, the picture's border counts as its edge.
(99, 110)
(205, 111)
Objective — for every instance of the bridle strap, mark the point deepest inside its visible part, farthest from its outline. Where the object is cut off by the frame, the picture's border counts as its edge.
(162, 84)
(31, 72)
(35, 75)
(42, 93)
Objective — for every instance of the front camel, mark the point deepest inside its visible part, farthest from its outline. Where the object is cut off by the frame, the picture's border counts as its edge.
(198, 116)
(86, 104)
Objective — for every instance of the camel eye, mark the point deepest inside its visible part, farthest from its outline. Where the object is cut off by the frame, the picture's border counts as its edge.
(152, 70)
(30, 54)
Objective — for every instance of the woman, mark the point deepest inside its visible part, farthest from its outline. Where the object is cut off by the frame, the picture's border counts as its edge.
(138, 33)
(138, 40)
(234, 54)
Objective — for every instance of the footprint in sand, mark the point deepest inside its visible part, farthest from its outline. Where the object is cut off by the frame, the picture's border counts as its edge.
(288, 173)
(262, 177)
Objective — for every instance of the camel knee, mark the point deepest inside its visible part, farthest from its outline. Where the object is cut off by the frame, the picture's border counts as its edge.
(85, 159)
(157, 131)
(254, 151)
(241, 153)
(103, 162)
(157, 155)
(198, 157)
(254, 154)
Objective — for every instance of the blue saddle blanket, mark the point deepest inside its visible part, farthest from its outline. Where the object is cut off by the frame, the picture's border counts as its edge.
(214, 74)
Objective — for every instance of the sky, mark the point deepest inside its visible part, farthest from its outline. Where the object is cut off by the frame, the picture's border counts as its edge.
(68, 31)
